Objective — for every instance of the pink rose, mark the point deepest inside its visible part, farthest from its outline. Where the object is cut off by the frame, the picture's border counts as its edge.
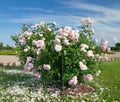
(58, 48)
(34, 42)
(72, 36)
(73, 81)
(88, 77)
(56, 41)
(64, 34)
(90, 53)
(27, 34)
(89, 21)
(67, 29)
(104, 45)
(85, 46)
(28, 66)
(22, 41)
(82, 66)
(28, 59)
(86, 21)
(46, 67)
(108, 49)
(66, 42)
(37, 75)
(41, 44)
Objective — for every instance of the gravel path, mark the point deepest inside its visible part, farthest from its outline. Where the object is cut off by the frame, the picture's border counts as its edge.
(5, 59)
(114, 56)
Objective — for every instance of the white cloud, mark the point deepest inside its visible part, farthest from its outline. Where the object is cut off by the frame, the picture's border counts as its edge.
(107, 20)
(60, 19)
(33, 9)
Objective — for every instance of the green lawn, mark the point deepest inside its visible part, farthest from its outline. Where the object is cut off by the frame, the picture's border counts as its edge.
(8, 52)
(110, 78)
(15, 85)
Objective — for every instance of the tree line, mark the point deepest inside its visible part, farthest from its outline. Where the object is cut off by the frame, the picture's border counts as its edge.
(7, 47)
(116, 47)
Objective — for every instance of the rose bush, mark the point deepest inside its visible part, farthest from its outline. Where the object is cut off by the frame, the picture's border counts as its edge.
(64, 55)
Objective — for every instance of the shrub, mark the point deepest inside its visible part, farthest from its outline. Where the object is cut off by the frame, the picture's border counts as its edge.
(59, 54)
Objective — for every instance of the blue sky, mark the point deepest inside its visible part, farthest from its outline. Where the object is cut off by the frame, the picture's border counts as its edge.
(105, 14)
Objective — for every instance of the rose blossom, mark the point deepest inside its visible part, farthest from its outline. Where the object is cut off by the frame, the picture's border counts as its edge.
(27, 34)
(82, 66)
(29, 59)
(86, 21)
(58, 48)
(67, 29)
(90, 53)
(85, 46)
(46, 67)
(74, 35)
(22, 41)
(73, 81)
(83, 49)
(37, 75)
(41, 44)
(26, 49)
(66, 42)
(88, 77)
(89, 21)
(108, 49)
(38, 51)
(64, 34)
(104, 45)
(34, 42)
(56, 41)
(28, 66)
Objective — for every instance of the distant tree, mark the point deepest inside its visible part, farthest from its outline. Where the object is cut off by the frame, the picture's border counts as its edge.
(117, 44)
(1, 46)
(7, 47)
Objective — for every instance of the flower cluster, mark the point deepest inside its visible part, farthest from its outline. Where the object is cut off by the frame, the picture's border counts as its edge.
(61, 54)
(104, 46)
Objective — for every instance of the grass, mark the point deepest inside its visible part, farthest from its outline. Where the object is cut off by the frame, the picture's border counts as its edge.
(8, 52)
(110, 78)
(15, 85)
